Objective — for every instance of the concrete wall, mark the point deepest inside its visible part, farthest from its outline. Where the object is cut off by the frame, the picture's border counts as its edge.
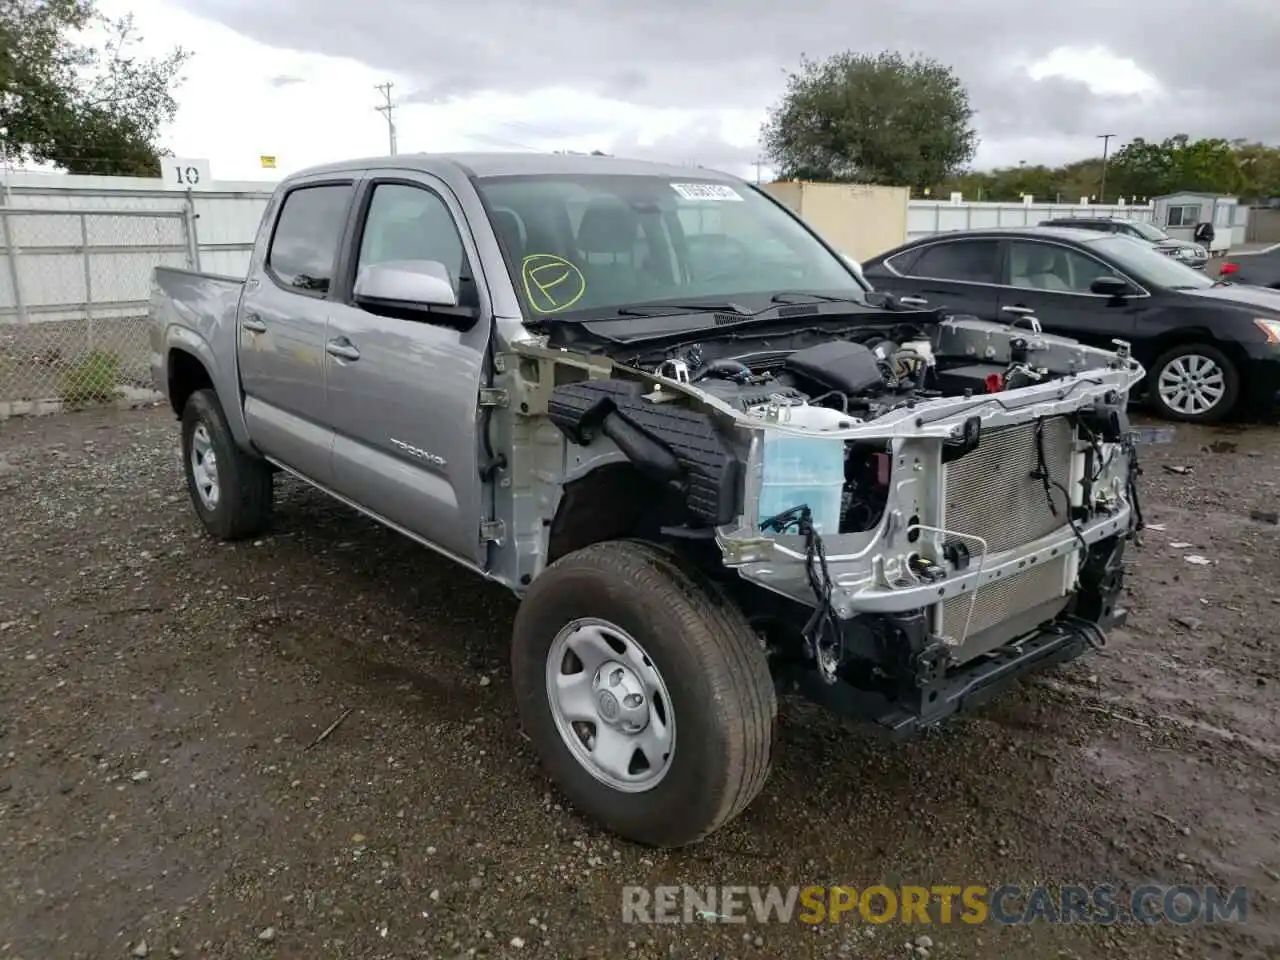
(856, 219)
(927, 217)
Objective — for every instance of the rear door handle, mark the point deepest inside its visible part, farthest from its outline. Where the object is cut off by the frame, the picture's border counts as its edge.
(913, 301)
(342, 348)
(253, 323)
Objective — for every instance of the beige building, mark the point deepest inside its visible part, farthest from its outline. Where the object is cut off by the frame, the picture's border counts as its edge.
(857, 219)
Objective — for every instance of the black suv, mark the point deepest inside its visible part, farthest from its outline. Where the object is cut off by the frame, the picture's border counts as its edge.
(1192, 254)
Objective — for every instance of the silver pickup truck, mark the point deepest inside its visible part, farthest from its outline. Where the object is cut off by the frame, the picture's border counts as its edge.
(713, 463)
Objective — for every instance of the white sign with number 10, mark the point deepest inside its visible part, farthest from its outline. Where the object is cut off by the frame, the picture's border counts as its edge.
(183, 173)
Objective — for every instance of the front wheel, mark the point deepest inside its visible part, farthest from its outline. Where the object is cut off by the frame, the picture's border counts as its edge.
(1195, 383)
(646, 694)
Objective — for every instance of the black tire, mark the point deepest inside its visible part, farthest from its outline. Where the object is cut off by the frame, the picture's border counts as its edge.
(713, 667)
(244, 482)
(1230, 376)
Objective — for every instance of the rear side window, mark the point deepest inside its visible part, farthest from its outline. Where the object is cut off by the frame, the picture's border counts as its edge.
(903, 262)
(974, 261)
(304, 247)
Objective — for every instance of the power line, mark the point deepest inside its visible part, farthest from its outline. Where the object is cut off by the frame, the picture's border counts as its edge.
(386, 110)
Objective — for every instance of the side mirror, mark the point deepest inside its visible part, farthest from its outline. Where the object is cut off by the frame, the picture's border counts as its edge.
(1110, 287)
(406, 283)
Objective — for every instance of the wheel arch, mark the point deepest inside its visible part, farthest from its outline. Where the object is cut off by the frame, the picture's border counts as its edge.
(1185, 337)
(187, 373)
(610, 502)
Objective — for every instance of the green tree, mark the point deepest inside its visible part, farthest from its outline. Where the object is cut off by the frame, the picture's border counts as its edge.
(86, 107)
(1259, 170)
(1144, 169)
(881, 119)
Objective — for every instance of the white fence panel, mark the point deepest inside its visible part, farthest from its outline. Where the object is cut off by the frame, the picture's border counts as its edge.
(927, 217)
(76, 258)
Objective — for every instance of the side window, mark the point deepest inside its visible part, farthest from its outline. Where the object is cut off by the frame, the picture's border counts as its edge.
(304, 246)
(411, 223)
(1047, 266)
(1183, 216)
(975, 261)
(903, 262)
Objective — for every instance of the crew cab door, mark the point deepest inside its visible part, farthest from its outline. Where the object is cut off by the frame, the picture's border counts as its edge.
(1052, 281)
(283, 314)
(958, 275)
(403, 388)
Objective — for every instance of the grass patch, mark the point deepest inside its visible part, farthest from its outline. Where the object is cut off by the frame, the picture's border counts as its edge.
(95, 379)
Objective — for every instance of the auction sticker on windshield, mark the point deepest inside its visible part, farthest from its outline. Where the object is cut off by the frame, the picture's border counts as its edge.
(706, 191)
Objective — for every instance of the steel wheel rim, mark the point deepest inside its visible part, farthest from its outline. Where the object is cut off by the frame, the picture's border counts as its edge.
(1192, 384)
(610, 705)
(204, 467)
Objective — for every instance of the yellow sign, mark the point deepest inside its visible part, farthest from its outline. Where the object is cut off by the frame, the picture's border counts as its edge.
(551, 283)
(268, 163)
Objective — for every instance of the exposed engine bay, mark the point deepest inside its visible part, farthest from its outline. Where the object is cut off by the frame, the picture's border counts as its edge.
(840, 383)
(856, 379)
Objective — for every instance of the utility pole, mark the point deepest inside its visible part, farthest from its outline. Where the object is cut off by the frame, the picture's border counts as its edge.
(1102, 189)
(386, 110)
(759, 165)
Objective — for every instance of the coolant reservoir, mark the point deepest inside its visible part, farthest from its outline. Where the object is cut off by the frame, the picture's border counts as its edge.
(806, 470)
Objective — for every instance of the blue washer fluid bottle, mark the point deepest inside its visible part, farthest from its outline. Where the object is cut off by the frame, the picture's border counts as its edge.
(804, 469)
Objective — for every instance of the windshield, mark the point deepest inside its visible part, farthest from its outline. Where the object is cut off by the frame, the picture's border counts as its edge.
(1150, 231)
(582, 245)
(1150, 265)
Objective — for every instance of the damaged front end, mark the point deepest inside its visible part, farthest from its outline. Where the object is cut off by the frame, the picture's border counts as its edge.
(912, 512)
(977, 537)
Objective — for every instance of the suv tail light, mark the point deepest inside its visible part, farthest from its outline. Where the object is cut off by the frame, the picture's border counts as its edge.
(1228, 268)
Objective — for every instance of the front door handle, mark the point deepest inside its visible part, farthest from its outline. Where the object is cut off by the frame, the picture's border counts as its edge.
(253, 323)
(342, 348)
(1019, 310)
(913, 301)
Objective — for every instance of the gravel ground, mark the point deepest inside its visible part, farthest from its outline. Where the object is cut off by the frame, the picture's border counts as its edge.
(160, 795)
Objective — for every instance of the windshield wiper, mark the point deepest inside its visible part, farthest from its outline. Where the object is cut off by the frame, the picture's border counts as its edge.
(673, 309)
(786, 297)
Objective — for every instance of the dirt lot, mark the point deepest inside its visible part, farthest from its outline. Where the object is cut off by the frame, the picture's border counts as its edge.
(159, 692)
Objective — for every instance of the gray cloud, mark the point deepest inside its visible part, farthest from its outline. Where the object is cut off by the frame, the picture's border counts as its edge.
(711, 54)
(699, 142)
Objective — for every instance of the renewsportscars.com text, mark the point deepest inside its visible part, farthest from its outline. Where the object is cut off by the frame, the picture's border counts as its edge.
(937, 904)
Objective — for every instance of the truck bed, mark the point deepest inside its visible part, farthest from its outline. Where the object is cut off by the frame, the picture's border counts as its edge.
(196, 312)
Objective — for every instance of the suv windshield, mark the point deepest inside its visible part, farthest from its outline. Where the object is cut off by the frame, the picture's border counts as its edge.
(1149, 231)
(1151, 266)
(578, 245)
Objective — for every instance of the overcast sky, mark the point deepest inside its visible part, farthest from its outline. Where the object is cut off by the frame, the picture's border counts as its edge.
(691, 80)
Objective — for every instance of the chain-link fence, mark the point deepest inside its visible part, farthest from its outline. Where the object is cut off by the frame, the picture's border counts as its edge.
(74, 288)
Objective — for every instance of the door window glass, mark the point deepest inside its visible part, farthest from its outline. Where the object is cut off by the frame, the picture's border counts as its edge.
(305, 244)
(975, 261)
(1047, 266)
(411, 223)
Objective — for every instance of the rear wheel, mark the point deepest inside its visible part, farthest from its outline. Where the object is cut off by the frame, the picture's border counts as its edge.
(1195, 383)
(645, 693)
(230, 489)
